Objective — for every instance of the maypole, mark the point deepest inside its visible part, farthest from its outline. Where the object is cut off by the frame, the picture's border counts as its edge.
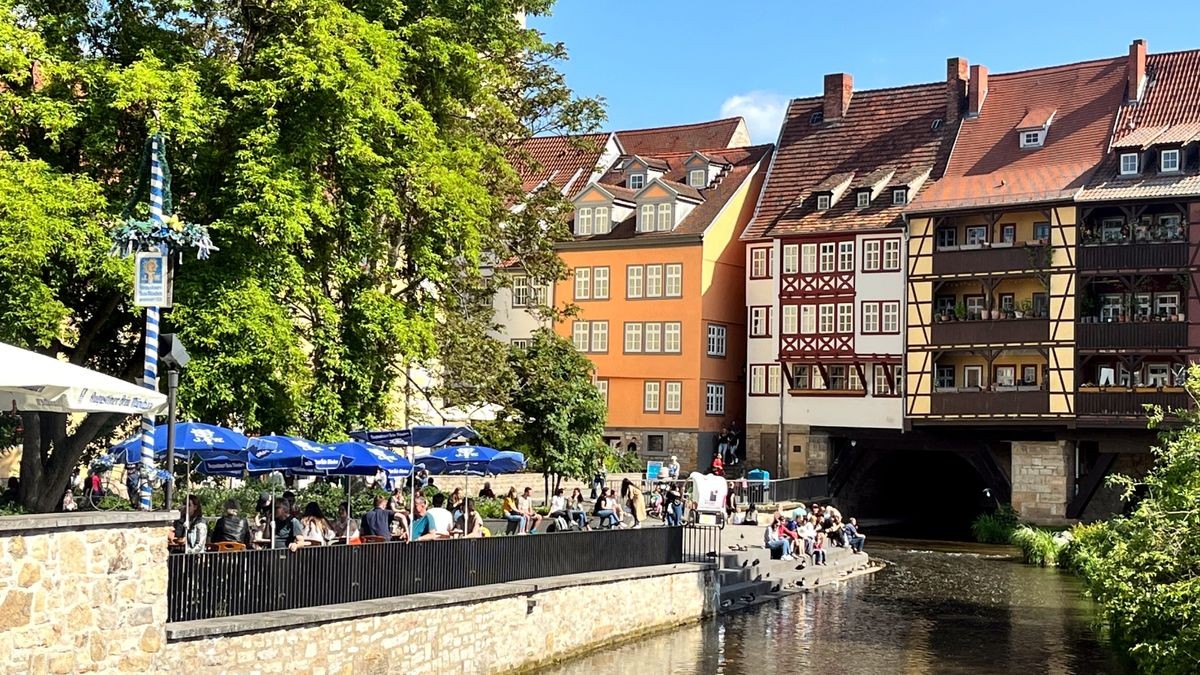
(151, 243)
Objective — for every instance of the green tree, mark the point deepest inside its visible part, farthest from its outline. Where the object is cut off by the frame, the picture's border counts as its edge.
(351, 160)
(556, 414)
(1144, 568)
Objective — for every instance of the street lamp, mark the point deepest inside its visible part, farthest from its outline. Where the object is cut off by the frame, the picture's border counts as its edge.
(175, 357)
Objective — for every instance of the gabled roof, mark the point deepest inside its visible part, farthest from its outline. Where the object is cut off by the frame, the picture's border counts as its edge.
(613, 192)
(648, 162)
(563, 161)
(740, 163)
(1036, 118)
(1168, 113)
(726, 133)
(680, 189)
(989, 168)
(882, 128)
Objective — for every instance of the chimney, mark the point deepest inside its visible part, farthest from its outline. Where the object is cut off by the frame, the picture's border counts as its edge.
(838, 89)
(978, 90)
(1135, 71)
(956, 88)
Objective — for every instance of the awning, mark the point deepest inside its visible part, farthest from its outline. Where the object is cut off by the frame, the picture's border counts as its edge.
(40, 383)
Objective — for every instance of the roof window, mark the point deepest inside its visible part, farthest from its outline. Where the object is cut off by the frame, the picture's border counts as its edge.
(1033, 139)
(864, 199)
(823, 202)
(1129, 163)
(637, 181)
(937, 124)
(817, 117)
(1168, 161)
(900, 196)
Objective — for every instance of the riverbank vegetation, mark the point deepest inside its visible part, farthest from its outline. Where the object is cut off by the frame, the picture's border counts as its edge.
(1143, 569)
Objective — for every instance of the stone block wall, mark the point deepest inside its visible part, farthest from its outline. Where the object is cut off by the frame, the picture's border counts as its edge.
(1041, 480)
(482, 630)
(82, 592)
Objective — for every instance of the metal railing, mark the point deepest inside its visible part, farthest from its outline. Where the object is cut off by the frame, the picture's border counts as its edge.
(798, 489)
(208, 585)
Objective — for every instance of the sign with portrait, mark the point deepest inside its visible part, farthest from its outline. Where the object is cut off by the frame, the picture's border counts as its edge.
(151, 280)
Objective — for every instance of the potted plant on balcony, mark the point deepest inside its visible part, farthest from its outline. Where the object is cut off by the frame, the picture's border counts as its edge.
(1025, 308)
(960, 312)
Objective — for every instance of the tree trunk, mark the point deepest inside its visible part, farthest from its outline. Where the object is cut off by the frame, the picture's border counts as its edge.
(49, 456)
(546, 487)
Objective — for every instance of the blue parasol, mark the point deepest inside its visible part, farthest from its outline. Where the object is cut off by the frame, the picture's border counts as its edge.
(418, 436)
(506, 461)
(367, 460)
(458, 459)
(297, 455)
(191, 438)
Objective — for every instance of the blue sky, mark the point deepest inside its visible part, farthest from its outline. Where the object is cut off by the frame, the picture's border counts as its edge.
(668, 62)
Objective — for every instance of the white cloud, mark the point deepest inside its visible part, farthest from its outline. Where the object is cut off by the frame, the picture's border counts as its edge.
(763, 111)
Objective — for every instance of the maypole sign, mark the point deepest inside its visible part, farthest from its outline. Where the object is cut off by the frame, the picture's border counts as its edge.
(151, 281)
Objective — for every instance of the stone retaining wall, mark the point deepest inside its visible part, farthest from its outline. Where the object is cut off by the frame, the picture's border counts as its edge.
(489, 629)
(83, 591)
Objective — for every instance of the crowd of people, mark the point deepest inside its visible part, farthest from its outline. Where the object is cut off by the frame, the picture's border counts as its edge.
(808, 532)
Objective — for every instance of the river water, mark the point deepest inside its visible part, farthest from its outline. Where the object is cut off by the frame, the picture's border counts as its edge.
(937, 608)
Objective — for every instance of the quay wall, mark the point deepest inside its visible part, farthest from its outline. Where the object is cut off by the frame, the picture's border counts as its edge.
(87, 592)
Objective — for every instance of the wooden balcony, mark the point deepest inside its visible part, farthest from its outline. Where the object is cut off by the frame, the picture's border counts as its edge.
(980, 332)
(988, 260)
(990, 403)
(1113, 335)
(1133, 256)
(1107, 401)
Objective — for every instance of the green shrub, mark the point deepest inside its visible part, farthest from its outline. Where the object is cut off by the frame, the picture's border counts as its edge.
(1038, 546)
(995, 528)
(489, 508)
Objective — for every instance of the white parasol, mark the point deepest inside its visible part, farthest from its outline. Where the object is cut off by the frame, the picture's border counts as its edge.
(40, 383)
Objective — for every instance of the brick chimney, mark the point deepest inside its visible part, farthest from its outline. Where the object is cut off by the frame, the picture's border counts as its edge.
(1135, 71)
(839, 87)
(978, 90)
(956, 88)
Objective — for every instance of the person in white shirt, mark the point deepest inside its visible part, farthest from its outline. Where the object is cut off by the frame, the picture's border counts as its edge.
(775, 541)
(439, 519)
(559, 508)
(673, 467)
(525, 506)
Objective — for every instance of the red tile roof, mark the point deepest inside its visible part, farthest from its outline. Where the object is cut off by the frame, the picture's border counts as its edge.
(888, 129)
(739, 163)
(1169, 112)
(564, 161)
(724, 133)
(1036, 118)
(988, 167)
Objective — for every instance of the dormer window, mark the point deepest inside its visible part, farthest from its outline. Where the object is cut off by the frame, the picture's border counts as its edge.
(601, 222)
(637, 181)
(823, 202)
(1168, 161)
(583, 221)
(665, 218)
(863, 199)
(1033, 139)
(1129, 164)
(698, 178)
(645, 218)
(900, 196)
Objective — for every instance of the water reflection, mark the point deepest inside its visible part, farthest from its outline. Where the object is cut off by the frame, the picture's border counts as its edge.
(940, 608)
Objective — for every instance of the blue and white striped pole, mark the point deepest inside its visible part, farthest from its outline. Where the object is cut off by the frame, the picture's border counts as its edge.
(150, 371)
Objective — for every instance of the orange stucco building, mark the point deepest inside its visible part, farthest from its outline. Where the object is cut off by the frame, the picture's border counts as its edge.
(657, 279)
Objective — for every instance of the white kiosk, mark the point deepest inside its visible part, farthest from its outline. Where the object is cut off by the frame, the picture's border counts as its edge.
(708, 498)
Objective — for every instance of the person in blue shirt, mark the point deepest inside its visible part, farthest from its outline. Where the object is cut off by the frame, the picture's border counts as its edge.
(853, 538)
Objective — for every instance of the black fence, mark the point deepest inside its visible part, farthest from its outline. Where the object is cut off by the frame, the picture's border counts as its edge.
(799, 489)
(208, 585)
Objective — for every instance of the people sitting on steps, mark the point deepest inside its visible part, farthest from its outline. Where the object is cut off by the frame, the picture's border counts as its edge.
(775, 540)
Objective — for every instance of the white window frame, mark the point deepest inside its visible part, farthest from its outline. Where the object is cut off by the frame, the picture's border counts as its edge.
(823, 202)
(973, 373)
(828, 259)
(882, 386)
(808, 319)
(760, 322)
(583, 221)
(665, 220)
(808, 259)
(520, 343)
(652, 337)
(601, 222)
(654, 281)
(760, 262)
(1130, 163)
(945, 377)
(870, 317)
(1112, 230)
(717, 339)
(698, 178)
(872, 255)
(791, 259)
(863, 199)
(1158, 374)
(758, 380)
(673, 397)
(845, 317)
(891, 255)
(1163, 164)
(800, 377)
(633, 337)
(976, 234)
(633, 281)
(520, 290)
(1033, 139)
(581, 336)
(899, 196)
(1111, 305)
(946, 237)
(889, 317)
(826, 318)
(1005, 375)
(774, 379)
(599, 337)
(651, 395)
(645, 221)
(846, 256)
(714, 398)
(674, 280)
(1166, 301)
(600, 285)
(636, 181)
(853, 383)
(602, 387)
(790, 319)
(672, 337)
(583, 283)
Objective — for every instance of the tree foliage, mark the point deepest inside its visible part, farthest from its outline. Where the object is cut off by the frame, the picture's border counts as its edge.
(556, 415)
(1144, 568)
(350, 158)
